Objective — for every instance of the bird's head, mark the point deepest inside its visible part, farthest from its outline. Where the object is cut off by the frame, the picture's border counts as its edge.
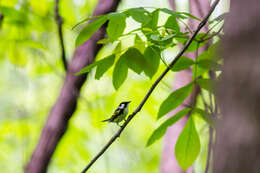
(124, 103)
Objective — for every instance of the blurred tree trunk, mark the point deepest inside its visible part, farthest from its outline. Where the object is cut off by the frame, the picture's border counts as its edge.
(66, 103)
(169, 163)
(238, 132)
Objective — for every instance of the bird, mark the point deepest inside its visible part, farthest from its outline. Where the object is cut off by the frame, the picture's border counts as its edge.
(119, 114)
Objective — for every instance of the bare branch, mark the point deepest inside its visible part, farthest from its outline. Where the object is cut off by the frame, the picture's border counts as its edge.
(131, 116)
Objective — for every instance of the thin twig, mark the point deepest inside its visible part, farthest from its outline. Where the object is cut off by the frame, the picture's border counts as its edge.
(213, 35)
(59, 22)
(131, 116)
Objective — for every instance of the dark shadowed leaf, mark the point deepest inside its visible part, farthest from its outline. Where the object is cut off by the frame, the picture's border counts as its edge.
(152, 57)
(182, 64)
(207, 84)
(174, 99)
(135, 60)
(104, 66)
(209, 64)
(160, 131)
(187, 147)
(116, 25)
(120, 72)
(204, 115)
(89, 30)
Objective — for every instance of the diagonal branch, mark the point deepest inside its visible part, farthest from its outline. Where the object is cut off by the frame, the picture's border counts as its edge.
(131, 116)
(59, 22)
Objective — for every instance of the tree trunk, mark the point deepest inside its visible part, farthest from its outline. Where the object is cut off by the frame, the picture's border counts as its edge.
(238, 138)
(66, 103)
(169, 163)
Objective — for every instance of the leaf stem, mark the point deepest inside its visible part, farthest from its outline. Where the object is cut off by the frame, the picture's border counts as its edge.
(138, 109)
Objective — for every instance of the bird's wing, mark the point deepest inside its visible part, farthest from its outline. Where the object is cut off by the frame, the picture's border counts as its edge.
(117, 113)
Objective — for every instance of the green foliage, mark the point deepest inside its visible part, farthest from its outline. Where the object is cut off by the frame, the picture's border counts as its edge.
(152, 58)
(120, 72)
(161, 130)
(139, 14)
(187, 147)
(104, 66)
(134, 59)
(182, 64)
(175, 99)
(116, 25)
(207, 84)
(90, 29)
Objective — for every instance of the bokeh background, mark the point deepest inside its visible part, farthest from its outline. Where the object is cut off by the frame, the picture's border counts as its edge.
(31, 77)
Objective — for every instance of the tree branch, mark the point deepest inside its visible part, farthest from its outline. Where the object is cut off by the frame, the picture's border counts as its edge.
(66, 103)
(131, 116)
(59, 22)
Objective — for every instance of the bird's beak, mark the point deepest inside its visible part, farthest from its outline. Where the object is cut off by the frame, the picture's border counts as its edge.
(128, 101)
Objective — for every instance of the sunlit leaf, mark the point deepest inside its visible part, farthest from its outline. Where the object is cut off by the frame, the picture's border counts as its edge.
(139, 14)
(209, 64)
(174, 99)
(183, 63)
(116, 25)
(120, 72)
(172, 23)
(153, 22)
(187, 147)
(104, 66)
(160, 131)
(189, 15)
(89, 30)
(100, 62)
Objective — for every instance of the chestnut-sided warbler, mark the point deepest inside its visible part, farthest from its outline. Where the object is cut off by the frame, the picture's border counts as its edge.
(119, 114)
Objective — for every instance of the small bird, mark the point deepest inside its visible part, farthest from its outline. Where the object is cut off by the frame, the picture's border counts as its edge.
(119, 114)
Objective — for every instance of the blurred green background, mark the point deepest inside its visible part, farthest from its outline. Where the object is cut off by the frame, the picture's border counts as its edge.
(31, 77)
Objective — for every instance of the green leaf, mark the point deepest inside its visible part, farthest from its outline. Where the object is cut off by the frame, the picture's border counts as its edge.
(172, 23)
(85, 20)
(139, 43)
(116, 25)
(90, 66)
(160, 131)
(174, 99)
(189, 15)
(89, 30)
(204, 115)
(135, 60)
(139, 14)
(152, 57)
(120, 72)
(173, 13)
(187, 147)
(182, 64)
(209, 64)
(207, 84)
(104, 66)
(153, 22)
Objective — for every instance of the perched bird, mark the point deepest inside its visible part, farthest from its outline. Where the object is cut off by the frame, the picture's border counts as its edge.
(119, 114)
